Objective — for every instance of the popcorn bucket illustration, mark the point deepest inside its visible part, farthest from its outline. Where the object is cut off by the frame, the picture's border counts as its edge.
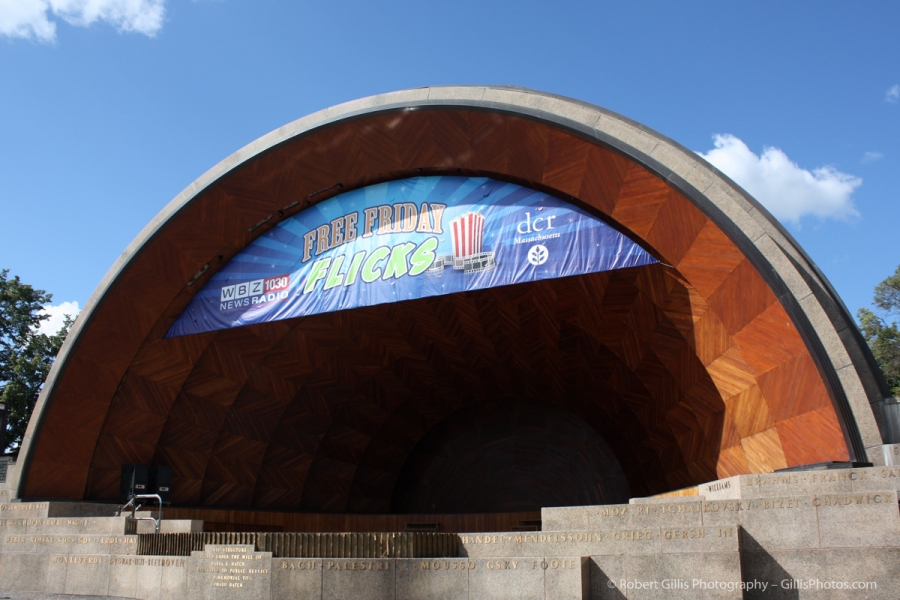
(466, 234)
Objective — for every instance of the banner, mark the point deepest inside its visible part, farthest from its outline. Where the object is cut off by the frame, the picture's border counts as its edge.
(402, 240)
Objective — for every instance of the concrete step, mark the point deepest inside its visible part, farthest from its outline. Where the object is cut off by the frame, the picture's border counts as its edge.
(62, 526)
(795, 483)
(647, 540)
(69, 544)
(44, 510)
(862, 519)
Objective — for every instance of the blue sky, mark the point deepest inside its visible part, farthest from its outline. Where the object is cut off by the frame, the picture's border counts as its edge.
(111, 107)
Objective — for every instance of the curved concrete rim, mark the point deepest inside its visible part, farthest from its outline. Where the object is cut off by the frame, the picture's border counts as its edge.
(844, 359)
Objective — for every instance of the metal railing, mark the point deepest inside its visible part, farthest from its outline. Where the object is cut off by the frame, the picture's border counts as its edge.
(134, 503)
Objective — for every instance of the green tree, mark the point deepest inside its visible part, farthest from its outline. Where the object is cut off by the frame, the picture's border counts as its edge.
(884, 338)
(25, 355)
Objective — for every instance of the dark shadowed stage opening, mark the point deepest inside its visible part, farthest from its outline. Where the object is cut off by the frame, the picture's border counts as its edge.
(509, 456)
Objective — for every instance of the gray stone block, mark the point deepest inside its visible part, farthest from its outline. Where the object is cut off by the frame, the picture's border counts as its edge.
(660, 576)
(721, 568)
(86, 574)
(23, 510)
(69, 544)
(12, 527)
(686, 165)
(56, 574)
(797, 483)
(169, 526)
(875, 479)
(721, 513)
(174, 580)
(628, 133)
(458, 93)
(76, 526)
(671, 513)
(507, 579)
(858, 520)
(566, 518)
(699, 539)
(606, 572)
(890, 454)
(357, 578)
(567, 543)
(566, 578)
(433, 578)
(122, 577)
(148, 582)
(296, 578)
(781, 523)
(825, 574)
(689, 575)
(722, 489)
(33, 572)
(661, 512)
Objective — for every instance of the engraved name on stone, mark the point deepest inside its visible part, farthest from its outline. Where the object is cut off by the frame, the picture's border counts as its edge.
(562, 538)
(793, 503)
(46, 522)
(148, 562)
(299, 565)
(444, 565)
(66, 539)
(821, 476)
(535, 538)
(118, 560)
(370, 565)
(718, 486)
(19, 506)
(74, 559)
(626, 511)
(555, 564)
(231, 566)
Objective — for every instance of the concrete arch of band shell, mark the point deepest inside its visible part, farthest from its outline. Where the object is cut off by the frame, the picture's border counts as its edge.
(797, 290)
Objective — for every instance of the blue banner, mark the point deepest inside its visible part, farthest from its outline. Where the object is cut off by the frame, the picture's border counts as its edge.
(402, 240)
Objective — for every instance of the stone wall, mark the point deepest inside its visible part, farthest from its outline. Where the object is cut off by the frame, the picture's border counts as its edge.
(805, 534)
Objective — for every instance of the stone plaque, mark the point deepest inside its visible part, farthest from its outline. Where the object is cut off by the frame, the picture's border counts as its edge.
(230, 571)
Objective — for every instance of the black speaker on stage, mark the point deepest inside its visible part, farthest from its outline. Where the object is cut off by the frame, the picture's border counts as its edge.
(161, 483)
(135, 480)
(145, 479)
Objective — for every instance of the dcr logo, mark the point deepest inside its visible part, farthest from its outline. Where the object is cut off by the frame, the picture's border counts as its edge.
(538, 254)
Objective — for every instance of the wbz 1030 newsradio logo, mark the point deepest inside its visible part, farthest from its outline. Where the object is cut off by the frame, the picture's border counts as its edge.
(258, 291)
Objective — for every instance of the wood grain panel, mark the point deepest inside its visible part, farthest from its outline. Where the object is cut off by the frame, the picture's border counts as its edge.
(794, 387)
(676, 227)
(756, 340)
(641, 198)
(710, 259)
(811, 438)
(741, 297)
(764, 450)
(604, 176)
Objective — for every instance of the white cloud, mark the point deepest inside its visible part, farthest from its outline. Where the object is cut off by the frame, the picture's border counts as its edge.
(870, 157)
(57, 313)
(893, 94)
(31, 19)
(789, 192)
